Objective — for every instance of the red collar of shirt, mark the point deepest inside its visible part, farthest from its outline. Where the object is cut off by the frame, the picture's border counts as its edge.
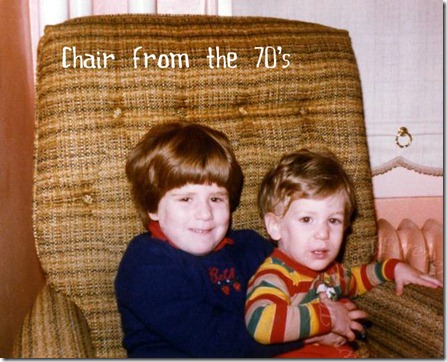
(278, 253)
(156, 232)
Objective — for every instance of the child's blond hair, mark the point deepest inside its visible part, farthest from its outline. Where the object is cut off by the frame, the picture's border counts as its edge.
(303, 175)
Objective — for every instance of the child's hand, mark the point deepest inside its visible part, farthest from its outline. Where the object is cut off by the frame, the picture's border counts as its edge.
(405, 274)
(328, 339)
(344, 316)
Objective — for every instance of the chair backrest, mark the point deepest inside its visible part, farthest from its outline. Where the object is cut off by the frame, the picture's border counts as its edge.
(102, 82)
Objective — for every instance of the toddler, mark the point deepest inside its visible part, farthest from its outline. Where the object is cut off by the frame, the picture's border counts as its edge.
(307, 202)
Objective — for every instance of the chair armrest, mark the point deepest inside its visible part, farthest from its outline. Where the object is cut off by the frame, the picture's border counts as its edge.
(422, 248)
(409, 326)
(54, 328)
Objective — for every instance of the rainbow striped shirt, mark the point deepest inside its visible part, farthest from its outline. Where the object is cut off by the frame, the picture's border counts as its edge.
(282, 301)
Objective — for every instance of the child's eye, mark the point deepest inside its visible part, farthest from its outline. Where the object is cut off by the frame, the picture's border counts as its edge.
(219, 199)
(185, 199)
(305, 219)
(335, 221)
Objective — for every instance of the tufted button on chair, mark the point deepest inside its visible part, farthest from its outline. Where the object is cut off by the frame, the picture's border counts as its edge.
(89, 114)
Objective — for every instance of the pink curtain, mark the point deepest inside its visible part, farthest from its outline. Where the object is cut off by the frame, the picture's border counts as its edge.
(20, 274)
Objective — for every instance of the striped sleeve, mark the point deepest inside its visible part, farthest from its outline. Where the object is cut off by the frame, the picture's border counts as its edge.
(269, 315)
(365, 277)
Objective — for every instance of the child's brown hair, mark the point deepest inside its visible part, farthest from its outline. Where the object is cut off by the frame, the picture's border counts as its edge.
(304, 174)
(172, 155)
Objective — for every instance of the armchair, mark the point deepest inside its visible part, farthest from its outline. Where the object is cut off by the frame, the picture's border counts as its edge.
(103, 81)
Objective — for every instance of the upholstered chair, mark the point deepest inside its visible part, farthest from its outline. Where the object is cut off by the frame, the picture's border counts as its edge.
(103, 81)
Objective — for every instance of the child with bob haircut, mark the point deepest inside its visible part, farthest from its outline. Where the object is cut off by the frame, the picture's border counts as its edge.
(307, 202)
(181, 286)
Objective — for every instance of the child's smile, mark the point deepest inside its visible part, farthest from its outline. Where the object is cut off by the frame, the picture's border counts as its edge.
(194, 217)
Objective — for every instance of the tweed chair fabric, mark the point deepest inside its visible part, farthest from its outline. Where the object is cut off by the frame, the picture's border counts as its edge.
(89, 118)
(55, 327)
(409, 326)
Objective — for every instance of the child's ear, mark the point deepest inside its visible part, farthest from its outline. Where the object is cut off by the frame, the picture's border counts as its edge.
(153, 216)
(272, 222)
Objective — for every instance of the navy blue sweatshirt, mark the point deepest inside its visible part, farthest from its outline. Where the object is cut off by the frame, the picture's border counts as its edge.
(174, 304)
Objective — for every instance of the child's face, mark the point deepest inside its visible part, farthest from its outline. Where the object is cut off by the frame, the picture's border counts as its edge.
(311, 231)
(194, 217)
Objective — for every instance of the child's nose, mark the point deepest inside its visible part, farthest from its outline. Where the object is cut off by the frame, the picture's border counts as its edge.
(204, 211)
(322, 231)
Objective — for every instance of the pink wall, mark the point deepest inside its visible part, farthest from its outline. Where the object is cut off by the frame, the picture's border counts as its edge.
(418, 209)
(405, 194)
(20, 276)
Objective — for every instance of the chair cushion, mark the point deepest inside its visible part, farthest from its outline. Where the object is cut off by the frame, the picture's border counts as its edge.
(407, 326)
(54, 328)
